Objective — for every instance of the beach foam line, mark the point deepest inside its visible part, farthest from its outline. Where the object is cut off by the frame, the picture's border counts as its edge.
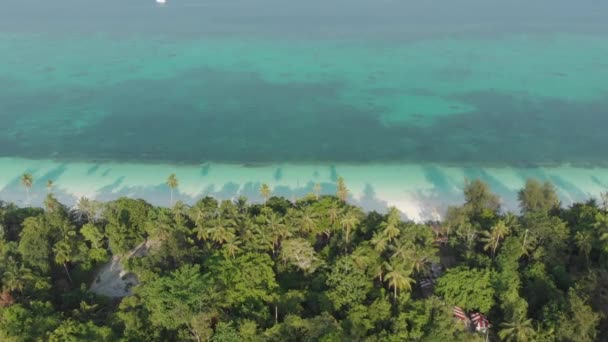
(419, 191)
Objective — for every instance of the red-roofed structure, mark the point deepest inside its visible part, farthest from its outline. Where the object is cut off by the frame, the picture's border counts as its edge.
(480, 322)
(460, 314)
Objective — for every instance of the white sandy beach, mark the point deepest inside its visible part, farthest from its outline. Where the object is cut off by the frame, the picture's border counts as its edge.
(421, 192)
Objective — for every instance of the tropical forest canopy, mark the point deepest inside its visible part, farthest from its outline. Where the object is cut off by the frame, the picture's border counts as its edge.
(317, 269)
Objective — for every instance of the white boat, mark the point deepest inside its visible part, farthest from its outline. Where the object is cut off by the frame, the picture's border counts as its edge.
(161, 1)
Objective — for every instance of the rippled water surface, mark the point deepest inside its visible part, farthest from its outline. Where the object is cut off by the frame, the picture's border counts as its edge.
(268, 81)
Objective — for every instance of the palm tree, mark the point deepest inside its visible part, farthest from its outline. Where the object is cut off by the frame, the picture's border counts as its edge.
(333, 214)
(173, 183)
(15, 277)
(265, 192)
(317, 190)
(246, 227)
(202, 232)
(492, 238)
(604, 239)
(277, 229)
(398, 277)
(27, 181)
(241, 204)
(390, 228)
(307, 220)
(63, 255)
(221, 230)
(604, 196)
(526, 243)
(511, 221)
(263, 238)
(349, 222)
(180, 210)
(421, 264)
(377, 269)
(401, 249)
(520, 330)
(49, 185)
(380, 242)
(86, 210)
(232, 246)
(199, 213)
(342, 190)
(162, 227)
(584, 242)
(361, 257)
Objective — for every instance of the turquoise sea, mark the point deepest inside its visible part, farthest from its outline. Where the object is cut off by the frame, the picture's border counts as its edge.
(472, 86)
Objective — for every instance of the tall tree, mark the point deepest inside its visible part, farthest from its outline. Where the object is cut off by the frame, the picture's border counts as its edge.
(299, 253)
(380, 242)
(579, 322)
(221, 229)
(15, 277)
(493, 237)
(317, 190)
(398, 277)
(520, 330)
(173, 183)
(390, 227)
(307, 220)
(584, 243)
(604, 197)
(265, 192)
(276, 229)
(232, 246)
(349, 222)
(87, 210)
(342, 190)
(537, 197)
(68, 248)
(27, 180)
(479, 199)
(49, 185)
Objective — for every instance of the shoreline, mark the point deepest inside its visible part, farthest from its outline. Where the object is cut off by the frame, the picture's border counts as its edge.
(260, 164)
(420, 191)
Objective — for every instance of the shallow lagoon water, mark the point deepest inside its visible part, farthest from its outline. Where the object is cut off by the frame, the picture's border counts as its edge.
(511, 100)
(409, 107)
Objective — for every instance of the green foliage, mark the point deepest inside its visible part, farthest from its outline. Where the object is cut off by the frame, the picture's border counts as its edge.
(347, 284)
(35, 243)
(537, 197)
(318, 269)
(247, 284)
(32, 322)
(95, 238)
(579, 322)
(470, 289)
(520, 330)
(299, 253)
(342, 190)
(70, 331)
(427, 320)
(133, 321)
(480, 202)
(126, 223)
(173, 300)
(363, 320)
(295, 328)
(265, 192)
(225, 332)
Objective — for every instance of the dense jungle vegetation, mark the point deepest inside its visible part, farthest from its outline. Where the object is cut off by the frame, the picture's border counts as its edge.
(317, 269)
